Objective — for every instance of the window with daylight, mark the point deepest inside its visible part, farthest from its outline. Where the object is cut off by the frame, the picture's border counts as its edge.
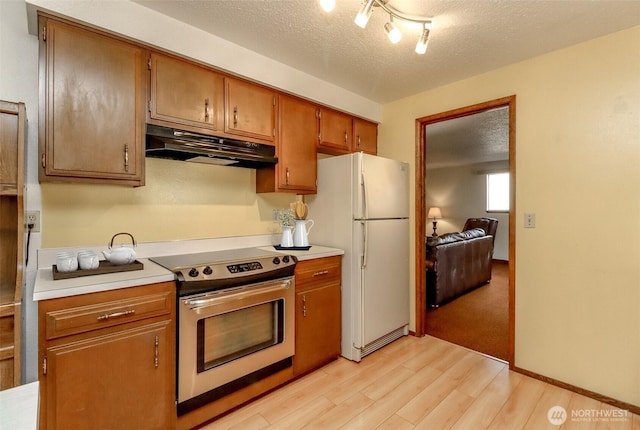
(498, 192)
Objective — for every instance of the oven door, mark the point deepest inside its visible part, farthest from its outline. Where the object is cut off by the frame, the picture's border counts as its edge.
(231, 334)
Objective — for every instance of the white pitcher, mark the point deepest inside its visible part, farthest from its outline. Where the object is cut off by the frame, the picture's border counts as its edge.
(301, 234)
(287, 237)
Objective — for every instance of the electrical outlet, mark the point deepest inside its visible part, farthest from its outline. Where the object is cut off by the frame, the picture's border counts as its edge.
(529, 220)
(32, 217)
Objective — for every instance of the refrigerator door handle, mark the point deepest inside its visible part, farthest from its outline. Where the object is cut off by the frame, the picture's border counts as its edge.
(365, 208)
(365, 245)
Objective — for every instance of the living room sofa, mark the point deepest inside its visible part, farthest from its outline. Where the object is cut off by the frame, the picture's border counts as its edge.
(459, 262)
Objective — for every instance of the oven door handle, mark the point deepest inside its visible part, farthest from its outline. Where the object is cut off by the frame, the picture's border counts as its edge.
(235, 294)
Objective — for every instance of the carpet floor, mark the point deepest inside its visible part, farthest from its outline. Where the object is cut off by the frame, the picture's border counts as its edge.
(478, 320)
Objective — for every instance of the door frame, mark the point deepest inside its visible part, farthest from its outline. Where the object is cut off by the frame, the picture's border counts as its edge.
(420, 210)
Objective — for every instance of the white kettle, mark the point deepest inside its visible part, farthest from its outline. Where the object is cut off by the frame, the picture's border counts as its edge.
(121, 255)
(301, 232)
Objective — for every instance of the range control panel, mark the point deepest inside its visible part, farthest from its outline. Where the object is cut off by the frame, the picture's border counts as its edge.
(227, 270)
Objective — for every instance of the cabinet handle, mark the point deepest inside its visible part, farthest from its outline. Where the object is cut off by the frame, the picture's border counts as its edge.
(105, 317)
(235, 116)
(126, 158)
(287, 176)
(304, 305)
(320, 273)
(346, 136)
(157, 347)
(206, 110)
(358, 141)
(42, 161)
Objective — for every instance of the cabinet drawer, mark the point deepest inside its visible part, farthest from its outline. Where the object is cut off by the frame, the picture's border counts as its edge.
(92, 317)
(319, 271)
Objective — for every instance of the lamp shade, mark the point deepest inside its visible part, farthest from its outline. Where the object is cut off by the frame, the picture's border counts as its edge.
(434, 213)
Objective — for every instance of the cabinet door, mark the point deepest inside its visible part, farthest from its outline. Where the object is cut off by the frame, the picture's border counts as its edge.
(11, 147)
(317, 327)
(335, 132)
(94, 93)
(365, 136)
(250, 110)
(184, 93)
(122, 380)
(296, 149)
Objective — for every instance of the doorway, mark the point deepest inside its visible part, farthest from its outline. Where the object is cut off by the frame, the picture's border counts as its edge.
(421, 209)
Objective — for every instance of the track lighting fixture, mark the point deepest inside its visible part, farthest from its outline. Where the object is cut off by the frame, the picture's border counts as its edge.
(394, 34)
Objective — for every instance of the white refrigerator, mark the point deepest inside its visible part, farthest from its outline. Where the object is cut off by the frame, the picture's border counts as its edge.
(362, 207)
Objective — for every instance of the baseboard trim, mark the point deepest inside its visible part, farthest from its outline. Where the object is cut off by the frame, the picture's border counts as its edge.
(597, 396)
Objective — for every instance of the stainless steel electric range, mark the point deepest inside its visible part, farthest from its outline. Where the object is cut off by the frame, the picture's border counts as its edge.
(235, 320)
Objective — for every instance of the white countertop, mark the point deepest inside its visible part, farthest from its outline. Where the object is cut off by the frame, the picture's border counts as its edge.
(47, 288)
(19, 407)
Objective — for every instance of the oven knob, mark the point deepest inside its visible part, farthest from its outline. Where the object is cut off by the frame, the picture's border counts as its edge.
(207, 270)
(276, 260)
(193, 272)
(285, 259)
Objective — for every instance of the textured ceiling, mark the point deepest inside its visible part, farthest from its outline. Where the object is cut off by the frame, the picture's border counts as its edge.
(478, 138)
(469, 36)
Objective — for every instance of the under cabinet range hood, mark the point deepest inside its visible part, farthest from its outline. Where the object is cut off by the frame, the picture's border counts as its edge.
(173, 144)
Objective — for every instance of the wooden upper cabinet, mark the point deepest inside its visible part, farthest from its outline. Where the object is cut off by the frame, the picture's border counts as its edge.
(365, 136)
(296, 150)
(12, 138)
(186, 94)
(335, 132)
(250, 110)
(93, 96)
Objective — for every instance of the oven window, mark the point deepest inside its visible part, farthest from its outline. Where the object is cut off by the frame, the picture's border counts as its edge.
(226, 337)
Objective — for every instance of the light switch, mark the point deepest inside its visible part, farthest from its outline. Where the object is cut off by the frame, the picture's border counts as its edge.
(529, 220)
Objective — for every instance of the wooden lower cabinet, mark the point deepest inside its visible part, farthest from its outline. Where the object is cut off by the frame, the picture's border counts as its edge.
(108, 359)
(318, 310)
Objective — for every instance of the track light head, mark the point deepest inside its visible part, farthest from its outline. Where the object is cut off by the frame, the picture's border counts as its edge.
(423, 41)
(393, 33)
(328, 5)
(362, 18)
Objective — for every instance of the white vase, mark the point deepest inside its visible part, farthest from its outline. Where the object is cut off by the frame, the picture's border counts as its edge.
(287, 237)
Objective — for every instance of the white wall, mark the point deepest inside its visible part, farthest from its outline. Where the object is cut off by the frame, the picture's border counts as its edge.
(460, 193)
(577, 314)
(19, 83)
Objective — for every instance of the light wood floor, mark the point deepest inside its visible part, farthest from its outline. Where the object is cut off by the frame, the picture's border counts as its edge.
(421, 383)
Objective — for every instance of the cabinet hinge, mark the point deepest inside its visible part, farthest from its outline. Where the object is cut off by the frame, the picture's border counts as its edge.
(44, 366)
(44, 33)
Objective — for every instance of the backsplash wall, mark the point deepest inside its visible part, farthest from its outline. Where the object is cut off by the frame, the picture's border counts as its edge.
(179, 201)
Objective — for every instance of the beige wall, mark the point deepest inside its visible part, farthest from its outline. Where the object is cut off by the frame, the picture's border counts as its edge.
(461, 192)
(577, 161)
